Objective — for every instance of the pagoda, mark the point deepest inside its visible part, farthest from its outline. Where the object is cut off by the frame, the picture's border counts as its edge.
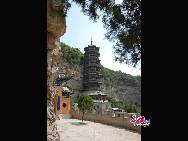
(91, 71)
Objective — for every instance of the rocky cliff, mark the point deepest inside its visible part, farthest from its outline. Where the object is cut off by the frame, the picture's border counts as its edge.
(119, 90)
(56, 27)
(122, 86)
(116, 84)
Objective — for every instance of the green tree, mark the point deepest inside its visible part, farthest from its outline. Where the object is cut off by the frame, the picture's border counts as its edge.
(132, 107)
(128, 106)
(85, 103)
(122, 23)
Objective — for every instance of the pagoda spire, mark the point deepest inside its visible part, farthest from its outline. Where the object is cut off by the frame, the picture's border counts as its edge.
(91, 40)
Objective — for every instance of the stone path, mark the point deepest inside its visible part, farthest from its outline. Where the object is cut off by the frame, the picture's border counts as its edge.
(73, 130)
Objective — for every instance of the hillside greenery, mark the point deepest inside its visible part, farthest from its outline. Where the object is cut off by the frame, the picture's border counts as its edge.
(115, 79)
(71, 55)
(125, 105)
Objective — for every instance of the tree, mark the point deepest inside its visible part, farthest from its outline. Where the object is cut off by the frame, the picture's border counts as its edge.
(128, 106)
(72, 55)
(122, 22)
(85, 103)
(132, 107)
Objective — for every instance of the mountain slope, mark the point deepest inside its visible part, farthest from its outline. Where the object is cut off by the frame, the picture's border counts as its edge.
(116, 84)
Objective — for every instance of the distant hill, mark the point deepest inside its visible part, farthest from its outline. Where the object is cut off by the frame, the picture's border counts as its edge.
(122, 86)
(116, 84)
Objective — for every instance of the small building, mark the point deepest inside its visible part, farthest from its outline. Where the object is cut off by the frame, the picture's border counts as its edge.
(98, 96)
(63, 101)
(101, 104)
(116, 112)
(63, 97)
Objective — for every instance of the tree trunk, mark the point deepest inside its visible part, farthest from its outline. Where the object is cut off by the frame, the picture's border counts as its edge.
(83, 116)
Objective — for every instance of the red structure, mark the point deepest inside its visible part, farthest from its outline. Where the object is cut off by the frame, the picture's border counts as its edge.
(63, 101)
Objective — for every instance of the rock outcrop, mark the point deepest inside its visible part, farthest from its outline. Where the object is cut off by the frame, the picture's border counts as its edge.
(56, 27)
(119, 92)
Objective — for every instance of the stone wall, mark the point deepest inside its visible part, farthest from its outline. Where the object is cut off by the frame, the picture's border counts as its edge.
(109, 120)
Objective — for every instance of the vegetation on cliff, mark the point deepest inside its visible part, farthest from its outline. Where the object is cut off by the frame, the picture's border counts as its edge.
(116, 78)
(127, 106)
(75, 56)
(124, 90)
(71, 55)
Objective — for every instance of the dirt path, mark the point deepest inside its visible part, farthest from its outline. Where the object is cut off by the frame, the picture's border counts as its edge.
(72, 130)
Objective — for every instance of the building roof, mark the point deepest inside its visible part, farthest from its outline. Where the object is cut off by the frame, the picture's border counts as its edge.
(66, 89)
(115, 109)
(97, 93)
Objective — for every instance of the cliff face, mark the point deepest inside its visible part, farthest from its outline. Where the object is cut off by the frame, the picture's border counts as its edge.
(125, 93)
(56, 27)
(113, 84)
(122, 86)
(116, 84)
(76, 82)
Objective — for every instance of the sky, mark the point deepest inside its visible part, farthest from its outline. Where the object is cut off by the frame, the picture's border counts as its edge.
(79, 32)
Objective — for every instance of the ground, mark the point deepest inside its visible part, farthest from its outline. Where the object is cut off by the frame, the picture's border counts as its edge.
(73, 130)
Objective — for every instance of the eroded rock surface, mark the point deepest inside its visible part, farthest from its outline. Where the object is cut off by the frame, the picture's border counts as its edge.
(56, 27)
